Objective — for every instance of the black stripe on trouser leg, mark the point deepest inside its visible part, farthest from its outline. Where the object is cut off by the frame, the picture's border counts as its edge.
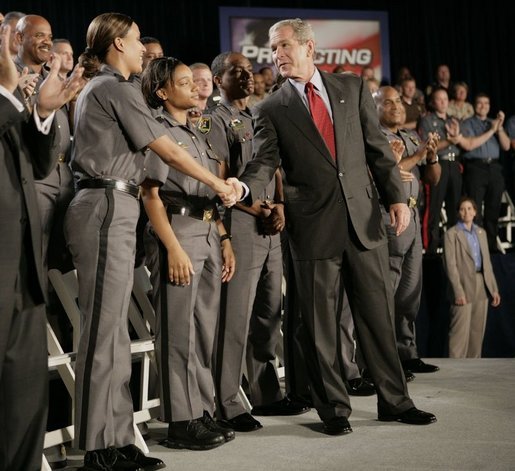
(95, 316)
(165, 360)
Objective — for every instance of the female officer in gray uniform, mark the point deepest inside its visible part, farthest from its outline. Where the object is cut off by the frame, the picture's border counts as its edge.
(187, 264)
(113, 128)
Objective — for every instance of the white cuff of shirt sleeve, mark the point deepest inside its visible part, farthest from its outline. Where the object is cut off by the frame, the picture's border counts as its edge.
(15, 102)
(43, 127)
(246, 191)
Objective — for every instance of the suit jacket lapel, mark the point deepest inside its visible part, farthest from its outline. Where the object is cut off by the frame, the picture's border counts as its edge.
(299, 115)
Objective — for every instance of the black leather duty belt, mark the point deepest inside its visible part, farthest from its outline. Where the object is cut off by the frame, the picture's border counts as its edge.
(205, 214)
(124, 187)
(483, 161)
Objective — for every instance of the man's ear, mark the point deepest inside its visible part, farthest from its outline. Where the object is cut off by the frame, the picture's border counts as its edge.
(217, 80)
(310, 48)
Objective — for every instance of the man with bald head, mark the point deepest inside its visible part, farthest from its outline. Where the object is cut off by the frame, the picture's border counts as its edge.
(34, 38)
(405, 250)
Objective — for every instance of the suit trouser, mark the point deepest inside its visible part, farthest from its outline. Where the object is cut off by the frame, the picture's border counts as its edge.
(365, 275)
(100, 231)
(485, 183)
(405, 255)
(186, 319)
(23, 380)
(468, 323)
(250, 319)
(448, 189)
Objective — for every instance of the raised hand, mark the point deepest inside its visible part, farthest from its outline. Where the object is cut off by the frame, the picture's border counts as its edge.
(54, 93)
(8, 73)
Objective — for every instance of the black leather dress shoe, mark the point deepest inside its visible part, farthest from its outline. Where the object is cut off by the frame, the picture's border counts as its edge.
(409, 376)
(416, 365)
(411, 416)
(283, 407)
(359, 387)
(241, 423)
(210, 424)
(108, 459)
(337, 426)
(134, 454)
(193, 435)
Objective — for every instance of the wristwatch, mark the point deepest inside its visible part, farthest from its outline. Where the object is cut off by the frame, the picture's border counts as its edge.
(433, 162)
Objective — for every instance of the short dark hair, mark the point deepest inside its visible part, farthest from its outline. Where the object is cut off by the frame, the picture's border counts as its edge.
(219, 65)
(61, 41)
(149, 40)
(463, 199)
(13, 15)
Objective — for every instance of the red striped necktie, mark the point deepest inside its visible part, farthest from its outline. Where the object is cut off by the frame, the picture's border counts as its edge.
(321, 118)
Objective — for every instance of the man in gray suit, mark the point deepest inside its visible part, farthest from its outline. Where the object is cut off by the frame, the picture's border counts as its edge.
(323, 130)
(25, 153)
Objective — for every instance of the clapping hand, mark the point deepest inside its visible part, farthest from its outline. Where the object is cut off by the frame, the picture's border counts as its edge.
(54, 93)
(8, 73)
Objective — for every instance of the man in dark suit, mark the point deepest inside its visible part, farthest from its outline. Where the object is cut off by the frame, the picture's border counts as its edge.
(25, 153)
(333, 166)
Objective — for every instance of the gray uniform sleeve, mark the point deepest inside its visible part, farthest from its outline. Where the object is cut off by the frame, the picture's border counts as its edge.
(155, 168)
(133, 114)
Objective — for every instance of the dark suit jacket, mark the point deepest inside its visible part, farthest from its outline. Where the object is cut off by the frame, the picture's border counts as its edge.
(24, 154)
(316, 188)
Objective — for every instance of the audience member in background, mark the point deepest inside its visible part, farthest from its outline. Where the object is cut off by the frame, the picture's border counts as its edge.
(510, 130)
(414, 111)
(153, 49)
(459, 107)
(259, 90)
(469, 269)
(404, 73)
(269, 76)
(368, 73)
(449, 186)
(203, 78)
(373, 85)
(483, 139)
(442, 80)
(405, 250)
(11, 19)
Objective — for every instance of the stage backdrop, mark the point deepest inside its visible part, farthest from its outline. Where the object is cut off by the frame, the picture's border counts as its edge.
(352, 39)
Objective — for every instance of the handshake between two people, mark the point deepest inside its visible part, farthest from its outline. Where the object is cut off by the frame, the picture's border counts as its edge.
(230, 191)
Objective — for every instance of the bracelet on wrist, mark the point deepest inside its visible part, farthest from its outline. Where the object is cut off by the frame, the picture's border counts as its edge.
(279, 202)
(225, 237)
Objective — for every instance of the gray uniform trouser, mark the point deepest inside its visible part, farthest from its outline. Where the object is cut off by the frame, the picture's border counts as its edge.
(100, 230)
(54, 194)
(186, 319)
(405, 254)
(251, 309)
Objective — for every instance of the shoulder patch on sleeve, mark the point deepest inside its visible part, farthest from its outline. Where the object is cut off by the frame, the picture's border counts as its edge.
(204, 124)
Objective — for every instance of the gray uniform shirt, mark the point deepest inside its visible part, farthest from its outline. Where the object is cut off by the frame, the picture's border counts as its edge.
(175, 183)
(230, 133)
(113, 127)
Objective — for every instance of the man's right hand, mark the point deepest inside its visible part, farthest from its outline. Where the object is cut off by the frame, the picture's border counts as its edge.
(8, 73)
